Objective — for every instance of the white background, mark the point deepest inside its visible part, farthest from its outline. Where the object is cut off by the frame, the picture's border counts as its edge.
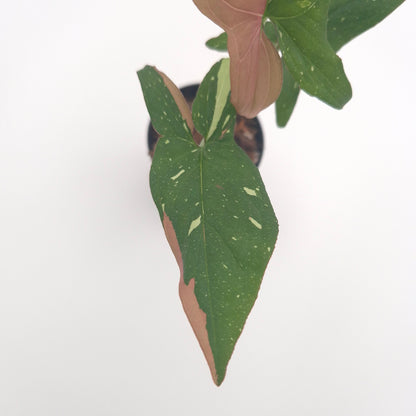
(90, 319)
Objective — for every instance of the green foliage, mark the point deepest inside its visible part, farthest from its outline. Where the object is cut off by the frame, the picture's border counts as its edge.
(306, 52)
(271, 32)
(346, 20)
(218, 43)
(217, 203)
(349, 18)
(308, 32)
(287, 99)
(211, 199)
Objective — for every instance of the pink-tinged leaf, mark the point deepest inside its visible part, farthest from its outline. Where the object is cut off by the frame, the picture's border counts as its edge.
(182, 104)
(255, 66)
(196, 316)
(221, 227)
(179, 99)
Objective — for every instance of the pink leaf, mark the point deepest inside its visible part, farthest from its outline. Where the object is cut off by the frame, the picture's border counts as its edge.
(255, 66)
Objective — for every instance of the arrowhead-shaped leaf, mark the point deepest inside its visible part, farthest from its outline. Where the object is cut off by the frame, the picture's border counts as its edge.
(215, 210)
(256, 68)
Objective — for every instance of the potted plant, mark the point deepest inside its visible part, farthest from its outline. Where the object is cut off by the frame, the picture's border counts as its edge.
(211, 199)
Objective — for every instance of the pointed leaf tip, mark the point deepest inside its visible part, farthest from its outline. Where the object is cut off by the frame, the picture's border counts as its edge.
(197, 318)
(168, 109)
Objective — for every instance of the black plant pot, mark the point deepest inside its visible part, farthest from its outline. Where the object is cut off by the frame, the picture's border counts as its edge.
(247, 133)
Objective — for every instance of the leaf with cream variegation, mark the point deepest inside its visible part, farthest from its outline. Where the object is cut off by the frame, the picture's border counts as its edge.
(214, 208)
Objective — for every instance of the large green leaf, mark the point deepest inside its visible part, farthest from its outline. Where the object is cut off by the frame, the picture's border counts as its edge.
(216, 213)
(346, 20)
(349, 18)
(302, 27)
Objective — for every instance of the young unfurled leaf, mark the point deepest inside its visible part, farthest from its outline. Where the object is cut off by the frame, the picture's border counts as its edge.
(308, 55)
(218, 43)
(215, 211)
(255, 68)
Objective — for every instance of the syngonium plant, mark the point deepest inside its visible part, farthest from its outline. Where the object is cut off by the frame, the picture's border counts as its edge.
(212, 202)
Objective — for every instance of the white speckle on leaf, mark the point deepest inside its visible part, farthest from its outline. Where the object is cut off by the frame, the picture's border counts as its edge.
(304, 4)
(223, 88)
(194, 224)
(249, 191)
(312, 68)
(225, 266)
(269, 249)
(178, 174)
(233, 238)
(255, 223)
(226, 120)
(167, 141)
